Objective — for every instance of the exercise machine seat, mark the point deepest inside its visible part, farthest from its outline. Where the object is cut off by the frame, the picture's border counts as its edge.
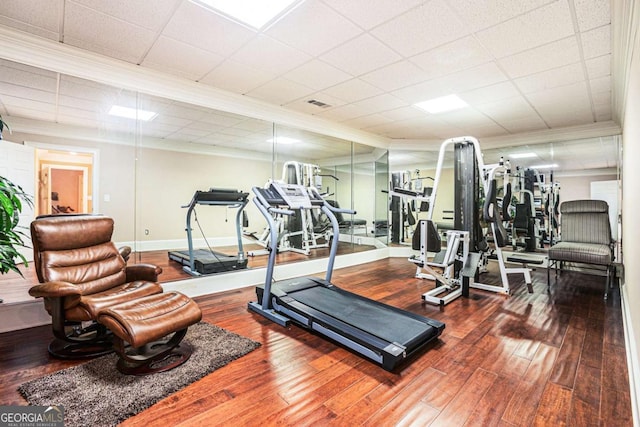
(346, 223)
(82, 272)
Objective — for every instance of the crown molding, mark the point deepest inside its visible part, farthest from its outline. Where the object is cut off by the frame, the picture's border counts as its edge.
(625, 23)
(594, 130)
(43, 53)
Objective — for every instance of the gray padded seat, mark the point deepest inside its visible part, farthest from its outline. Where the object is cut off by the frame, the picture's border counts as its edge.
(586, 235)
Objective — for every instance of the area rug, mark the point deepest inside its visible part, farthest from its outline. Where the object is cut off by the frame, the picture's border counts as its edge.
(96, 394)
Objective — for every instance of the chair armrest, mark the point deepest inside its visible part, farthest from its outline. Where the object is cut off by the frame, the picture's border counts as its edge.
(125, 251)
(54, 290)
(147, 272)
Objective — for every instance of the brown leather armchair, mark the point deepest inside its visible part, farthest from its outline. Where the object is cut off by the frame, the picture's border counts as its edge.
(81, 272)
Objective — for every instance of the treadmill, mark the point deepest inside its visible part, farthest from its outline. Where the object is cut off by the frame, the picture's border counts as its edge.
(384, 334)
(207, 261)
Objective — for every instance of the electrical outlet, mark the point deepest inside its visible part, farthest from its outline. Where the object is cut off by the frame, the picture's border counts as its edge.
(146, 231)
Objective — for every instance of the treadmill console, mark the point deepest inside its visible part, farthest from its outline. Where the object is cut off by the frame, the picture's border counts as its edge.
(295, 196)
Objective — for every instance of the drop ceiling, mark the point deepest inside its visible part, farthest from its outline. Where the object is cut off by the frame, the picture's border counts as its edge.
(522, 65)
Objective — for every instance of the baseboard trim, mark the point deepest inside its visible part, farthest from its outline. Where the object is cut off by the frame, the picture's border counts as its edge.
(222, 282)
(22, 315)
(632, 355)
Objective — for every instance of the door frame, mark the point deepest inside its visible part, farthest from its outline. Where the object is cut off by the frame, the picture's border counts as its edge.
(95, 188)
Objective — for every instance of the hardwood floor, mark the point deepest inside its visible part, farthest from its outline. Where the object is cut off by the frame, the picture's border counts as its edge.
(15, 288)
(554, 358)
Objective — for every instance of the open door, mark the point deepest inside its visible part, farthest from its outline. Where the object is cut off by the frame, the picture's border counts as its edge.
(65, 182)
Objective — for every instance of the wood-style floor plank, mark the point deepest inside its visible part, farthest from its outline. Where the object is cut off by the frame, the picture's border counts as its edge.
(549, 358)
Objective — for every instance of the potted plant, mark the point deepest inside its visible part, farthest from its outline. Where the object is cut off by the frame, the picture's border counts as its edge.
(12, 200)
(3, 125)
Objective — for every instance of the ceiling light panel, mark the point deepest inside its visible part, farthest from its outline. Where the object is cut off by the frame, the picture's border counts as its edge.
(442, 104)
(255, 13)
(132, 113)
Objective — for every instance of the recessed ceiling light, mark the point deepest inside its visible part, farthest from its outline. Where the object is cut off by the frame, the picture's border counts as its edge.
(254, 13)
(522, 155)
(548, 166)
(283, 140)
(132, 113)
(442, 104)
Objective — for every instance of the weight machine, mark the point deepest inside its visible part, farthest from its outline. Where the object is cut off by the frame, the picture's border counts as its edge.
(466, 244)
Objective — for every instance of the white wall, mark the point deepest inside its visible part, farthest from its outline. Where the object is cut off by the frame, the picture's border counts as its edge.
(579, 187)
(631, 199)
(148, 193)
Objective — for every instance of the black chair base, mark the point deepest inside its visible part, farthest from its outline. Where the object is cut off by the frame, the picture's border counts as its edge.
(163, 362)
(79, 350)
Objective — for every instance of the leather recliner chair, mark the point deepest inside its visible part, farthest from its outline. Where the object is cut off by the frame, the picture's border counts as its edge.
(81, 272)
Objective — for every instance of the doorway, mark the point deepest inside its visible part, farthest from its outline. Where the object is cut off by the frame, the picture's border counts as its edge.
(65, 182)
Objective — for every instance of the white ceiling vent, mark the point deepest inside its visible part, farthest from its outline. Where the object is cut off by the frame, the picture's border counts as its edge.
(318, 103)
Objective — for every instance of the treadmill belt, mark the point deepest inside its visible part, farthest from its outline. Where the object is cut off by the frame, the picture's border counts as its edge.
(384, 323)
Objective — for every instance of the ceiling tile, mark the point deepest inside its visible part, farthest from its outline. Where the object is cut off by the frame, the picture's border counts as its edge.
(36, 31)
(366, 121)
(360, 55)
(549, 79)
(236, 77)
(396, 76)
(456, 83)
(304, 105)
(596, 42)
(369, 13)
(527, 124)
(13, 103)
(601, 84)
(27, 113)
(33, 13)
(380, 103)
(482, 14)
(265, 53)
(87, 29)
(568, 117)
(576, 96)
(473, 78)
(313, 28)
(180, 58)
(317, 75)
(451, 57)
(601, 98)
(344, 112)
(465, 118)
(25, 92)
(280, 91)
(199, 27)
(511, 109)
(538, 27)
(135, 12)
(592, 13)
(34, 78)
(491, 93)
(552, 55)
(422, 28)
(352, 90)
(483, 131)
(599, 67)
(402, 113)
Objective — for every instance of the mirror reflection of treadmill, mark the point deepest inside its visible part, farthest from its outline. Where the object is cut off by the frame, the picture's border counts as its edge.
(207, 261)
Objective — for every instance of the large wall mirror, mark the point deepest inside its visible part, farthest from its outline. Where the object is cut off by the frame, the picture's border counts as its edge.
(86, 147)
(555, 172)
